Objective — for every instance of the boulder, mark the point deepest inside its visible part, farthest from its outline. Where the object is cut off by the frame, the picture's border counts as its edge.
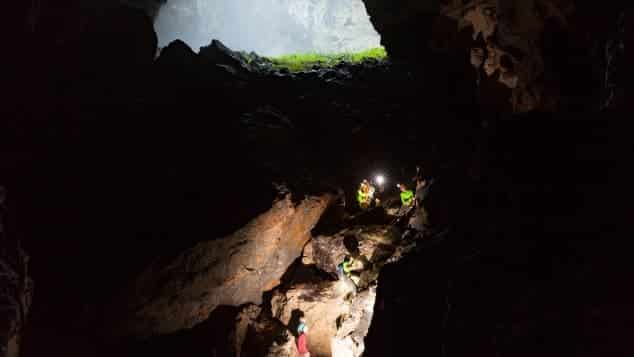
(220, 54)
(233, 270)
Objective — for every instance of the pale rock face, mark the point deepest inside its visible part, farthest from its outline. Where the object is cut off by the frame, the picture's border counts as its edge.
(338, 322)
(269, 27)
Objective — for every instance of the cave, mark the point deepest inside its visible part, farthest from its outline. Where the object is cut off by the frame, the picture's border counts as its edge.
(169, 187)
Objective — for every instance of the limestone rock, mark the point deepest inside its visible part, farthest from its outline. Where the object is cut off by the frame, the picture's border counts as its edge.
(320, 304)
(338, 321)
(348, 342)
(233, 270)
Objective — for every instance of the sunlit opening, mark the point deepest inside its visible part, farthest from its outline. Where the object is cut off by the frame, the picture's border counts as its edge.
(269, 27)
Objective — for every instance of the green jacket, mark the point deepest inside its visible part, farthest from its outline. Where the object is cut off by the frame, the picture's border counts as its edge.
(347, 266)
(362, 197)
(407, 197)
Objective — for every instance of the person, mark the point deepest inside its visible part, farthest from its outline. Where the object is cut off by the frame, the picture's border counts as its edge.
(407, 196)
(344, 267)
(364, 194)
(344, 273)
(302, 343)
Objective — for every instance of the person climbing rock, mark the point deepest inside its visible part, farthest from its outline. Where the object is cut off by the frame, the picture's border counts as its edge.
(344, 267)
(365, 194)
(407, 196)
(302, 343)
(344, 272)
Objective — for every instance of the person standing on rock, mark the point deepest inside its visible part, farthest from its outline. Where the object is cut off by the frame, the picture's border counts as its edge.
(407, 196)
(302, 344)
(365, 194)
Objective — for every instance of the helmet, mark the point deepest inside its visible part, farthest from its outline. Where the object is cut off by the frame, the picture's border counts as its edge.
(301, 327)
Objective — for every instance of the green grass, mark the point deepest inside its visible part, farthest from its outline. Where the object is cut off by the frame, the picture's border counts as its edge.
(305, 61)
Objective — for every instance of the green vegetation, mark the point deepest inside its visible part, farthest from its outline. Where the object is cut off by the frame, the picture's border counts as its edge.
(305, 61)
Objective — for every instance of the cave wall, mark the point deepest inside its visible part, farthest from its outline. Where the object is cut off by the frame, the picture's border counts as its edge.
(554, 46)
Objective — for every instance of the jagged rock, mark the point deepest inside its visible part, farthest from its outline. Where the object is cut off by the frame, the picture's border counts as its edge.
(122, 36)
(219, 54)
(233, 270)
(177, 53)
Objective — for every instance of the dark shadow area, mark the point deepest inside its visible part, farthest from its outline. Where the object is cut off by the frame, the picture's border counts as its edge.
(293, 323)
(352, 245)
(518, 254)
(210, 338)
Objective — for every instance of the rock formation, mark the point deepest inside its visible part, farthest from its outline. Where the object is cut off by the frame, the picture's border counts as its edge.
(337, 315)
(537, 37)
(233, 270)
